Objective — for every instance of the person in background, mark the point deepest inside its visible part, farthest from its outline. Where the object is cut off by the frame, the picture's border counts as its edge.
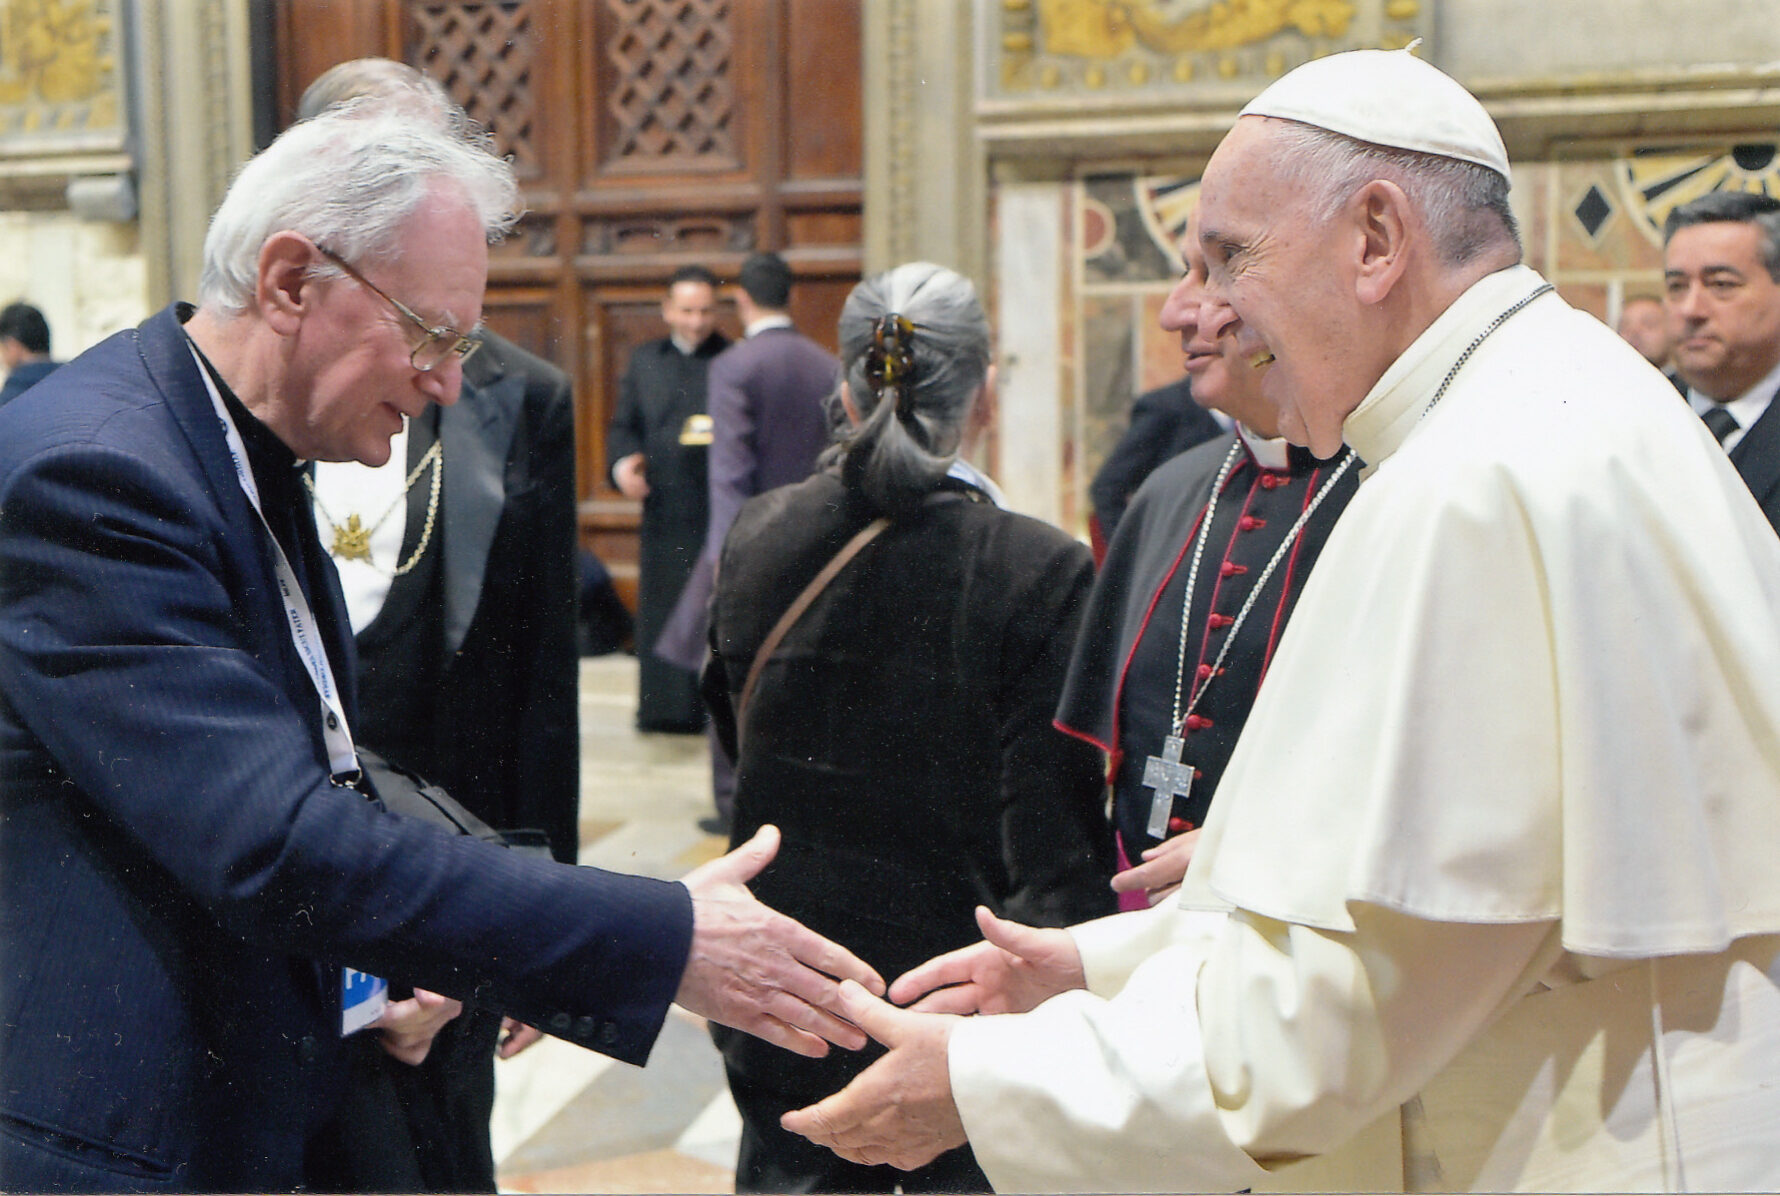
(1486, 900)
(24, 349)
(656, 451)
(1191, 601)
(1721, 278)
(767, 397)
(898, 730)
(1165, 422)
(1644, 325)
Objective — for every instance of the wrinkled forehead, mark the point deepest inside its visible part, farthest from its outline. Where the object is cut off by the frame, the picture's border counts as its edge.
(1239, 167)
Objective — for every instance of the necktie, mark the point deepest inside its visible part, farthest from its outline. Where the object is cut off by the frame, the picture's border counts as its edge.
(1722, 422)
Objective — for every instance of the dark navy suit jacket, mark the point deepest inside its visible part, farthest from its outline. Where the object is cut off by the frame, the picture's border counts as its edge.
(1757, 458)
(179, 879)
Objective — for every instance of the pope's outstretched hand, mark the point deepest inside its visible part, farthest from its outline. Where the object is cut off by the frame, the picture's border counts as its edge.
(757, 970)
(1015, 968)
(899, 1111)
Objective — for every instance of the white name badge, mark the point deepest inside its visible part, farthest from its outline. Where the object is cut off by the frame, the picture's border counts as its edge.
(362, 998)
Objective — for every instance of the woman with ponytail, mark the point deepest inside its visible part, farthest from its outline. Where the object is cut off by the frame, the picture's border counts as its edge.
(888, 647)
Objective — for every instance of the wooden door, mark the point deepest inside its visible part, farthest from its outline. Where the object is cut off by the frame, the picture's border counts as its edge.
(646, 135)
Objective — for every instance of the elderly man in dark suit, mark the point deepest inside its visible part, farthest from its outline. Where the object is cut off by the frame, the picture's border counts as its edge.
(193, 884)
(1721, 280)
(768, 421)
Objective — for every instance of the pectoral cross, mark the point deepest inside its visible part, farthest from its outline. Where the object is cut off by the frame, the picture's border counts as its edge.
(1170, 779)
(352, 542)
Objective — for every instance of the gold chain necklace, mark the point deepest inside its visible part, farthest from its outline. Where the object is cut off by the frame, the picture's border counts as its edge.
(352, 539)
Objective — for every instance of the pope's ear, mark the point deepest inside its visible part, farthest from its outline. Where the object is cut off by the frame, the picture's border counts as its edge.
(285, 290)
(1383, 217)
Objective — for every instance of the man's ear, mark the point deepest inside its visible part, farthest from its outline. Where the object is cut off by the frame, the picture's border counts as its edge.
(1382, 213)
(847, 404)
(285, 291)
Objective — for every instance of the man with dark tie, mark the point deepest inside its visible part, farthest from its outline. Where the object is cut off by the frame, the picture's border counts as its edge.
(1721, 278)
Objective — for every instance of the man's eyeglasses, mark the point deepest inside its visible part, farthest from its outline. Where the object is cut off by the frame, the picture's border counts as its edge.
(439, 345)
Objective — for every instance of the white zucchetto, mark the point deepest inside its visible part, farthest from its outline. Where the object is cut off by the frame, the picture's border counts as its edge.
(1390, 98)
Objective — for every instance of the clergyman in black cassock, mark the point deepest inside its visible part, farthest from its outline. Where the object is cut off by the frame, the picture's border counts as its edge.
(1121, 685)
(661, 414)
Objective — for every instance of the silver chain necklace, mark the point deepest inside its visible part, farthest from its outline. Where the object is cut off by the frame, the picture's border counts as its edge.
(1167, 774)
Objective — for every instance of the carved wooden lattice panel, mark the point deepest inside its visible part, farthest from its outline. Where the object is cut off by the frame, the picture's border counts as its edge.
(483, 53)
(672, 91)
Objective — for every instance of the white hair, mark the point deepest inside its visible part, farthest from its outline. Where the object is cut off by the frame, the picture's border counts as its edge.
(1464, 205)
(348, 179)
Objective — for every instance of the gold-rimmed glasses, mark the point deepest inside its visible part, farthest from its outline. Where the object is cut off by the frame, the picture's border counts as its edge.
(439, 344)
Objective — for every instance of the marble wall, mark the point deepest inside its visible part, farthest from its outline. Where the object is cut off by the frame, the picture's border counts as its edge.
(88, 277)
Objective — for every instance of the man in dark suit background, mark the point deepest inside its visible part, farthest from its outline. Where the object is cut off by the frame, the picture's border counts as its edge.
(1165, 422)
(656, 451)
(192, 880)
(1721, 282)
(24, 349)
(767, 396)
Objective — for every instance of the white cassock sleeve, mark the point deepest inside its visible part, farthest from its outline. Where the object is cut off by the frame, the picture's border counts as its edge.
(1242, 1045)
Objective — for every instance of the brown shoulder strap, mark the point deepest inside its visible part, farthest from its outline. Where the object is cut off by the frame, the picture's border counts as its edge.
(795, 611)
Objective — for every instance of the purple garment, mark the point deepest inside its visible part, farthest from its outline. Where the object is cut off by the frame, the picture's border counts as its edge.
(765, 396)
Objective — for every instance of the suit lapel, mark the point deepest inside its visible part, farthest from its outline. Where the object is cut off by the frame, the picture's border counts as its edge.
(1757, 455)
(476, 434)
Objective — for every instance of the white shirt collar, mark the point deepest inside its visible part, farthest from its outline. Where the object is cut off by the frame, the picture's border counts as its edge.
(1746, 408)
(965, 472)
(764, 323)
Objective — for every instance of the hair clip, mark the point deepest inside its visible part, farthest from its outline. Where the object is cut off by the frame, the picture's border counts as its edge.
(890, 360)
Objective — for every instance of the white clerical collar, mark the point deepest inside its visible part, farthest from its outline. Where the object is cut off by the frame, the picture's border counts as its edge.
(1379, 425)
(686, 347)
(1746, 408)
(764, 323)
(1272, 454)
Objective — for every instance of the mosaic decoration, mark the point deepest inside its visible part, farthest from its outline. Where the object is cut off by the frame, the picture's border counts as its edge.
(62, 81)
(1125, 46)
(1653, 182)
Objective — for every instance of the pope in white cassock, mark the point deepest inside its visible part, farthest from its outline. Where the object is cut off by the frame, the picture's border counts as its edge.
(1487, 896)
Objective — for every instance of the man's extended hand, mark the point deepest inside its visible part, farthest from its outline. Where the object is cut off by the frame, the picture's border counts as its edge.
(1014, 969)
(1162, 869)
(899, 1110)
(759, 971)
(406, 1029)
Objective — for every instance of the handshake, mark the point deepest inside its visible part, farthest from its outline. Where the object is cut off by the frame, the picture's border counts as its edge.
(756, 970)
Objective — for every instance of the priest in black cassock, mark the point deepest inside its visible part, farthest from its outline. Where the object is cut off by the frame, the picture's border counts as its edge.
(1197, 586)
(656, 451)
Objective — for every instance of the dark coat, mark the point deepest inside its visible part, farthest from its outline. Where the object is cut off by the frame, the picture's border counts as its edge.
(506, 736)
(901, 736)
(1165, 423)
(1757, 458)
(180, 881)
(23, 377)
(766, 396)
(1120, 690)
(476, 677)
(661, 389)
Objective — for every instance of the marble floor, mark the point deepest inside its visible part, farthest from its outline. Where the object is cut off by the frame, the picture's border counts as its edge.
(566, 1119)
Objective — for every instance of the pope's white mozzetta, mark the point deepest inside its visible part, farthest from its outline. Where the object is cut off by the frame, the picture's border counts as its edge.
(1486, 900)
